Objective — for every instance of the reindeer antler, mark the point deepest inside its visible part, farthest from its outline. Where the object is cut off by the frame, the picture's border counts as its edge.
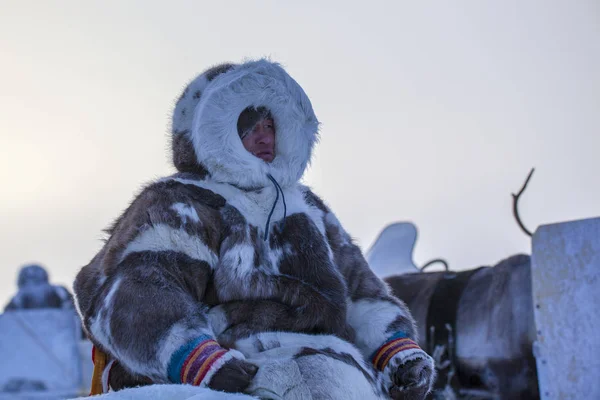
(516, 204)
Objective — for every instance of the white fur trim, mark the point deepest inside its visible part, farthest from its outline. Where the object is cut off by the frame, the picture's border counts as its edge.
(162, 237)
(219, 363)
(407, 355)
(370, 319)
(214, 128)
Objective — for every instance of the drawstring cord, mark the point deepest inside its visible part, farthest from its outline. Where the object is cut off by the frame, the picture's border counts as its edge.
(277, 190)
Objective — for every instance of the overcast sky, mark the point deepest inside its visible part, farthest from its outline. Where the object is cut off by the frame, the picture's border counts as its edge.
(431, 113)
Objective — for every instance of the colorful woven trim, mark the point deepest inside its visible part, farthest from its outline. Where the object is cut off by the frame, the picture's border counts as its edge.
(395, 344)
(193, 361)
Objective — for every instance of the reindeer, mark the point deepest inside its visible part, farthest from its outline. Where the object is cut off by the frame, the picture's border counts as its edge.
(477, 324)
(488, 352)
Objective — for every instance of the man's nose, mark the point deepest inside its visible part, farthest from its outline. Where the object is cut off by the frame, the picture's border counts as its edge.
(264, 136)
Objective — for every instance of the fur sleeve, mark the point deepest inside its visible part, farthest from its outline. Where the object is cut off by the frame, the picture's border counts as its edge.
(373, 312)
(140, 297)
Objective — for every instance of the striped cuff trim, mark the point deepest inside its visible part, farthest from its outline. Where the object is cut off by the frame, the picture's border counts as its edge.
(396, 344)
(178, 359)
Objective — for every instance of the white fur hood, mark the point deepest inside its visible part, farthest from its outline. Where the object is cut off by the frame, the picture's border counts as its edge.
(205, 137)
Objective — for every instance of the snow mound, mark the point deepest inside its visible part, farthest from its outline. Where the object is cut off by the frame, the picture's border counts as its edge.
(169, 392)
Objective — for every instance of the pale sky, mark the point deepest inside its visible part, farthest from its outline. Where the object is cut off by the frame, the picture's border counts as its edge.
(432, 113)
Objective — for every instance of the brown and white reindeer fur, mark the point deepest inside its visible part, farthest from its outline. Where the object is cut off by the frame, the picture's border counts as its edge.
(189, 255)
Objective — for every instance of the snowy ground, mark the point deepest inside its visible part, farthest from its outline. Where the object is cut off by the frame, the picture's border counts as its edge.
(170, 392)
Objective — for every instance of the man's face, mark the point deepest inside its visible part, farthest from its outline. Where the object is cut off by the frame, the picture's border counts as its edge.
(260, 140)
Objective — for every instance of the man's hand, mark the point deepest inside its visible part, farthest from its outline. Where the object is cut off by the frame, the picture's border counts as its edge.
(413, 379)
(234, 376)
(408, 371)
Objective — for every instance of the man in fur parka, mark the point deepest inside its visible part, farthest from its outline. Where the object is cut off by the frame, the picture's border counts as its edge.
(230, 274)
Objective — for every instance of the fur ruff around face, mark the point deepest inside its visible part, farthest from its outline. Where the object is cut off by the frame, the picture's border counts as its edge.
(207, 114)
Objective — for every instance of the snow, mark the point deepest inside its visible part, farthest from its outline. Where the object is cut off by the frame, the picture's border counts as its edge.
(170, 392)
